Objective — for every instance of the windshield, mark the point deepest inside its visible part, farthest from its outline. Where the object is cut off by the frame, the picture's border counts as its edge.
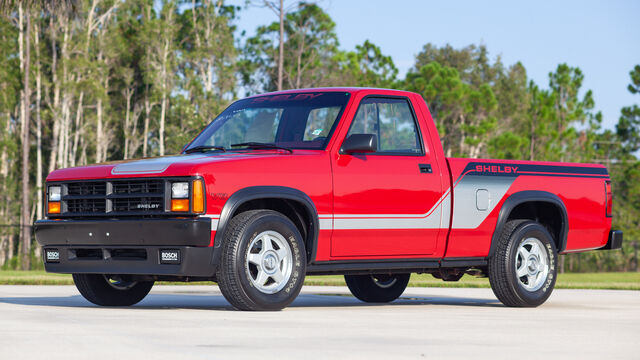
(293, 121)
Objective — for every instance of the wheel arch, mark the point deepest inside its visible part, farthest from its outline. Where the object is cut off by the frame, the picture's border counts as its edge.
(541, 206)
(293, 203)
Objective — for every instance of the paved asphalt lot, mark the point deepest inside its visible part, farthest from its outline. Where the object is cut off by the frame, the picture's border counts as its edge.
(195, 322)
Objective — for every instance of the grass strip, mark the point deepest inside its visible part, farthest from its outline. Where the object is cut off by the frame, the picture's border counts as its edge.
(608, 281)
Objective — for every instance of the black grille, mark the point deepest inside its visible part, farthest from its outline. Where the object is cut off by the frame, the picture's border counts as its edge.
(87, 188)
(138, 187)
(86, 205)
(138, 204)
(114, 197)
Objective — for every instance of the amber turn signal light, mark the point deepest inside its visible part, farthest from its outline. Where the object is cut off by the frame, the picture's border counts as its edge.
(54, 207)
(198, 196)
(180, 205)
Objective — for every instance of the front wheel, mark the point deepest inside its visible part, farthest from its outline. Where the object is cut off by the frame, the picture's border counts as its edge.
(111, 290)
(377, 288)
(263, 261)
(522, 272)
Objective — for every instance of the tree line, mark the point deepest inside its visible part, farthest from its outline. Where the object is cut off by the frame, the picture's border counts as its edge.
(90, 81)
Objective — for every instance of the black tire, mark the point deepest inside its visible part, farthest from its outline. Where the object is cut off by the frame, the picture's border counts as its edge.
(377, 288)
(510, 288)
(237, 277)
(107, 290)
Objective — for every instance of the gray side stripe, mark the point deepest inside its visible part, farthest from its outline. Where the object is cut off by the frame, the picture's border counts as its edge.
(465, 212)
(433, 219)
(215, 219)
(431, 222)
(326, 223)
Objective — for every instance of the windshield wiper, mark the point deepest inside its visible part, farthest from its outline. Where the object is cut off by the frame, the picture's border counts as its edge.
(203, 148)
(259, 145)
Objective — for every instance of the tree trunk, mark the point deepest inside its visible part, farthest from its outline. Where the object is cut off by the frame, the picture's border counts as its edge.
(533, 135)
(12, 245)
(4, 164)
(3, 249)
(38, 126)
(299, 63)
(281, 47)
(163, 110)
(63, 114)
(26, 92)
(99, 131)
(461, 144)
(21, 56)
(78, 128)
(39, 193)
(127, 120)
(83, 154)
(147, 115)
(55, 106)
(63, 150)
(5, 235)
(134, 142)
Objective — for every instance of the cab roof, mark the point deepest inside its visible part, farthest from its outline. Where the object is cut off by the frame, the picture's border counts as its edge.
(351, 90)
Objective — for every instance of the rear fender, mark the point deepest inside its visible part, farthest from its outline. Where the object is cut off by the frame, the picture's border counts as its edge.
(531, 196)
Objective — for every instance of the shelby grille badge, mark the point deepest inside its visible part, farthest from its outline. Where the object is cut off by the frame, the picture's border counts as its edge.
(148, 206)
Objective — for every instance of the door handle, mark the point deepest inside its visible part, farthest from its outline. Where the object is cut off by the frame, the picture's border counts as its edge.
(425, 168)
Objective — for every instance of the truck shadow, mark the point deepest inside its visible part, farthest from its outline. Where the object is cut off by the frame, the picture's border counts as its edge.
(344, 300)
(200, 301)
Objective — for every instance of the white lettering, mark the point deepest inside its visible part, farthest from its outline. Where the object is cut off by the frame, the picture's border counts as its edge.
(170, 256)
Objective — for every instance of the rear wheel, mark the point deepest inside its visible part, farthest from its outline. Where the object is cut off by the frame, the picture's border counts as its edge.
(522, 272)
(111, 290)
(263, 261)
(378, 287)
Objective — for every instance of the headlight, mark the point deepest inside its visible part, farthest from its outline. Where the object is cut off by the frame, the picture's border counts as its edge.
(180, 190)
(53, 200)
(55, 193)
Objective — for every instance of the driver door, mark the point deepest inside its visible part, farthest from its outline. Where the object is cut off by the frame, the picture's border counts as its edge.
(387, 203)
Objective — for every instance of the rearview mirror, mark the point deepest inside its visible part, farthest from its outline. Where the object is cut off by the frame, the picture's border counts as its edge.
(360, 143)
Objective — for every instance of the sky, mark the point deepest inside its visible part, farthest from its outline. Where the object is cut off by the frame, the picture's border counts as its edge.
(602, 38)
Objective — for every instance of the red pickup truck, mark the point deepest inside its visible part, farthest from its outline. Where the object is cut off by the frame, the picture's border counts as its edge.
(320, 181)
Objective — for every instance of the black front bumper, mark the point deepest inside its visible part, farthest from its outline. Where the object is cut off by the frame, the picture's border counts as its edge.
(132, 246)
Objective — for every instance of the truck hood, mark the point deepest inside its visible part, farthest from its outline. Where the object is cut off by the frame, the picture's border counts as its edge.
(176, 165)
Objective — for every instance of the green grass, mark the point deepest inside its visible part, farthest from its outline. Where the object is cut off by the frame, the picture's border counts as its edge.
(35, 277)
(612, 281)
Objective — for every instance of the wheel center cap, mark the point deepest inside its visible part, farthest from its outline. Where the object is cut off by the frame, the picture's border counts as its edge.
(269, 262)
(532, 265)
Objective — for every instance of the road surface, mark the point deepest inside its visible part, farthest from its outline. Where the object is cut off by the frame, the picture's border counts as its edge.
(195, 322)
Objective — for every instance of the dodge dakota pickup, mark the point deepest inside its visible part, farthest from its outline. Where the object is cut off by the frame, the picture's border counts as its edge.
(344, 181)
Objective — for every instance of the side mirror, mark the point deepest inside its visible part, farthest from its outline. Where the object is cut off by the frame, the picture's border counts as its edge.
(360, 143)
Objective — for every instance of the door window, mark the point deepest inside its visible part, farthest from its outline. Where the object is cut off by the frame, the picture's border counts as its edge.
(393, 123)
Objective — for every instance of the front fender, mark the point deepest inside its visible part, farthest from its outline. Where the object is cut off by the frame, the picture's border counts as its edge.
(268, 192)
